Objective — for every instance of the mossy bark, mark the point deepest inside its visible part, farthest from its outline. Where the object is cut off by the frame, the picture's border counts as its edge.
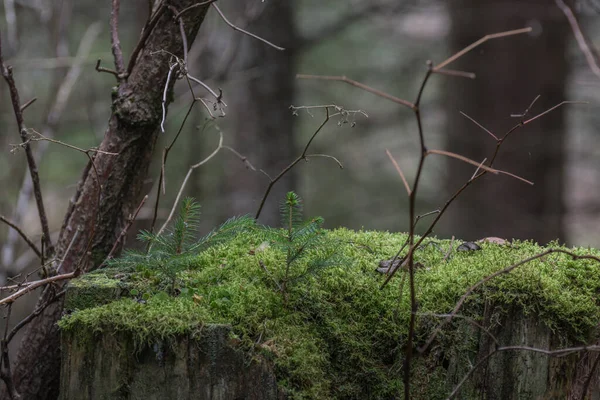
(108, 192)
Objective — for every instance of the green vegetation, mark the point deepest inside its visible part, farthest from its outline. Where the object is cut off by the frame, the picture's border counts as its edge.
(335, 334)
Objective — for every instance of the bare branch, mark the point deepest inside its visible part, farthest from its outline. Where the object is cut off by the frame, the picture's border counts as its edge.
(27, 104)
(591, 57)
(29, 286)
(291, 165)
(23, 235)
(235, 28)
(479, 125)
(107, 70)
(41, 137)
(192, 168)
(399, 172)
(478, 43)
(552, 109)
(478, 165)
(452, 72)
(204, 3)
(362, 86)
(33, 171)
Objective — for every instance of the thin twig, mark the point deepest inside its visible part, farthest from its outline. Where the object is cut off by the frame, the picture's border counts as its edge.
(478, 165)
(362, 86)
(36, 284)
(161, 178)
(235, 28)
(552, 109)
(204, 3)
(479, 125)
(23, 235)
(41, 137)
(591, 57)
(189, 173)
(125, 229)
(478, 43)
(27, 104)
(34, 314)
(291, 165)
(33, 170)
(447, 256)
(452, 72)
(478, 168)
(107, 70)
(399, 171)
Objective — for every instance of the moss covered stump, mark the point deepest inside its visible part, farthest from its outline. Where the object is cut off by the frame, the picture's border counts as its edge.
(110, 367)
(224, 330)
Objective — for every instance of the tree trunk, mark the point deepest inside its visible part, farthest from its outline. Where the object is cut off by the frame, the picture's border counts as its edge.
(511, 72)
(263, 124)
(95, 218)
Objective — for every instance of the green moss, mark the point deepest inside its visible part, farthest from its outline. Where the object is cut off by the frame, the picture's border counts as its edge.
(340, 335)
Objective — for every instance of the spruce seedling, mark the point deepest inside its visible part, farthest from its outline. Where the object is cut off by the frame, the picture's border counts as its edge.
(175, 250)
(297, 239)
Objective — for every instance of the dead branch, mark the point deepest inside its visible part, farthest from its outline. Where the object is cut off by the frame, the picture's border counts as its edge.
(23, 235)
(591, 56)
(33, 171)
(235, 28)
(481, 41)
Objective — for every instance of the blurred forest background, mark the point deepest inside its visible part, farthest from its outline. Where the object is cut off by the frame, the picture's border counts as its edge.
(53, 47)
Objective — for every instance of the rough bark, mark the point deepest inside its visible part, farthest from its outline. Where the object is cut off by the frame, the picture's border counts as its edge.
(511, 72)
(263, 124)
(97, 220)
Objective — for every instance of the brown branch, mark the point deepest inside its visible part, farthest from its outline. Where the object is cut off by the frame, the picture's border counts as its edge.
(197, 165)
(399, 171)
(33, 171)
(235, 28)
(552, 109)
(478, 165)
(161, 178)
(362, 86)
(114, 40)
(41, 137)
(107, 70)
(479, 125)
(27, 104)
(34, 314)
(29, 286)
(478, 43)
(204, 3)
(591, 56)
(291, 165)
(452, 72)
(23, 235)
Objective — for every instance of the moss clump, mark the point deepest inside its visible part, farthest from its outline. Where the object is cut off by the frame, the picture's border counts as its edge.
(339, 335)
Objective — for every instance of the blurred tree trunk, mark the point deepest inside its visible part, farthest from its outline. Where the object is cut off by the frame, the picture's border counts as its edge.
(261, 92)
(91, 228)
(511, 72)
